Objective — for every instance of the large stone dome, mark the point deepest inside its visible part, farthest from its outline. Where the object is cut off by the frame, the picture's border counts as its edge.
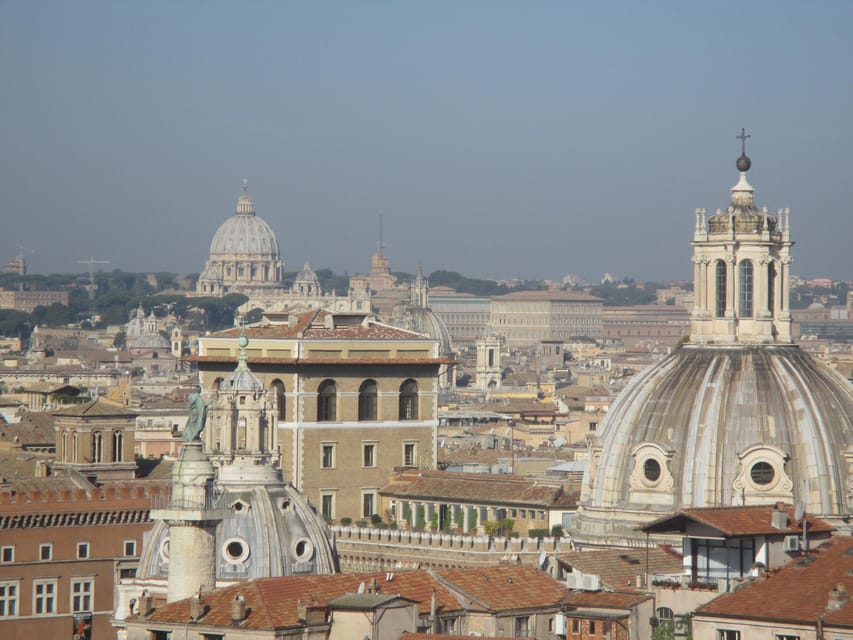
(244, 255)
(721, 426)
(739, 415)
(244, 234)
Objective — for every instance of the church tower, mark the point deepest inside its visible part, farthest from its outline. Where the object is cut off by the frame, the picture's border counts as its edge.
(741, 259)
(488, 361)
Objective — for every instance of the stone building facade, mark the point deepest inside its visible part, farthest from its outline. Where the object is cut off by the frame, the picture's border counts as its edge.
(528, 317)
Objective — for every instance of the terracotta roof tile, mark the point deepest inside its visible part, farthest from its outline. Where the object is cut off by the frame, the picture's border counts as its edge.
(508, 587)
(484, 488)
(736, 521)
(796, 593)
(607, 599)
(618, 568)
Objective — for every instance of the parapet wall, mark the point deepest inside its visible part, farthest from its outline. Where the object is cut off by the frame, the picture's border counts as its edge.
(366, 549)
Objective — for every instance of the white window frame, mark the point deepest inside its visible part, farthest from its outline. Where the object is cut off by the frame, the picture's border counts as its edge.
(331, 494)
(10, 594)
(46, 597)
(414, 445)
(84, 550)
(78, 592)
(364, 446)
(728, 634)
(7, 554)
(132, 543)
(46, 546)
(334, 455)
(374, 501)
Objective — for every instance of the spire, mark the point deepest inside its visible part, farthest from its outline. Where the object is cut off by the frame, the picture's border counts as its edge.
(742, 192)
(242, 357)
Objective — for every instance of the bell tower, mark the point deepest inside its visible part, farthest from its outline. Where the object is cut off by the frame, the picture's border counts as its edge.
(741, 261)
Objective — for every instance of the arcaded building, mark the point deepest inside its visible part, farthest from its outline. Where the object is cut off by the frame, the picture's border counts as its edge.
(739, 415)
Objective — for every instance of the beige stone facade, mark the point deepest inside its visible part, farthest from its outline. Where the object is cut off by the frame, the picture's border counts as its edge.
(355, 400)
(528, 317)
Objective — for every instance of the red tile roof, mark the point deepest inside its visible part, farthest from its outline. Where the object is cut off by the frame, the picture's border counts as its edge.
(736, 521)
(618, 568)
(483, 488)
(507, 587)
(796, 593)
(272, 602)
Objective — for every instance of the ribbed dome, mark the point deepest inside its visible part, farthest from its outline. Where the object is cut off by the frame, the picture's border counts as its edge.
(712, 426)
(244, 234)
(150, 341)
(269, 531)
(426, 321)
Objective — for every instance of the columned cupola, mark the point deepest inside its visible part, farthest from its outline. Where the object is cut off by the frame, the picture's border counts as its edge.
(741, 260)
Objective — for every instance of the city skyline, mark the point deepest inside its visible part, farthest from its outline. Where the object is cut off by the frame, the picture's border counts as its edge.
(498, 140)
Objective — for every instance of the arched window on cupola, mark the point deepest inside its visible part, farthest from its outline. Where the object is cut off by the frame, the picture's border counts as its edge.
(277, 387)
(722, 282)
(771, 288)
(118, 446)
(97, 446)
(745, 289)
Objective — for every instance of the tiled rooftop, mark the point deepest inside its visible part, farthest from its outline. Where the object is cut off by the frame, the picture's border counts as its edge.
(736, 521)
(476, 487)
(618, 568)
(798, 592)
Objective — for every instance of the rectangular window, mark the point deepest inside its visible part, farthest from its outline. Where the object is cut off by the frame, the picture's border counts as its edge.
(45, 552)
(82, 550)
(9, 598)
(782, 636)
(521, 626)
(409, 454)
(728, 634)
(81, 594)
(7, 554)
(576, 626)
(369, 459)
(327, 501)
(129, 548)
(592, 627)
(160, 635)
(367, 505)
(328, 461)
(44, 596)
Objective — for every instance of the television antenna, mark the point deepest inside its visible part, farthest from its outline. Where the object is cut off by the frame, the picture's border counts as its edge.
(22, 267)
(91, 286)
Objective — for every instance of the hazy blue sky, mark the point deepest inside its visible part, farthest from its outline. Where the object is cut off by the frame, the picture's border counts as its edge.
(499, 139)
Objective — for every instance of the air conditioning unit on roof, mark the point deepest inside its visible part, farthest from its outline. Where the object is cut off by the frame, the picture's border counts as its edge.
(592, 583)
(791, 543)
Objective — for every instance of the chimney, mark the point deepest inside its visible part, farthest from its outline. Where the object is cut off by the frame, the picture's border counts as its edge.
(238, 609)
(838, 597)
(373, 587)
(197, 609)
(146, 604)
(779, 517)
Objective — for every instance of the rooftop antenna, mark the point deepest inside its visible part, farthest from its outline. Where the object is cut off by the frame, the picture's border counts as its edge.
(381, 244)
(800, 517)
(92, 262)
(22, 267)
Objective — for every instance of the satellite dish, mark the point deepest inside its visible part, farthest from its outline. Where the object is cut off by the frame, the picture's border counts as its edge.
(800, 511)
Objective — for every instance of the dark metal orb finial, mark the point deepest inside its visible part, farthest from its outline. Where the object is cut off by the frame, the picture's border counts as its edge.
(743, 162)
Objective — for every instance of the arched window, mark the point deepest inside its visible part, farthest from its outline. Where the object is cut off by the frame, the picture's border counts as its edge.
(65, 446)
(278, 388)
(97, 446)
(215, 385)
(118, 445)
(745, 289)
(327, 395)
(720, 308)
(73, 446)
(771, 288)
(409, 400)
(367, 400)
